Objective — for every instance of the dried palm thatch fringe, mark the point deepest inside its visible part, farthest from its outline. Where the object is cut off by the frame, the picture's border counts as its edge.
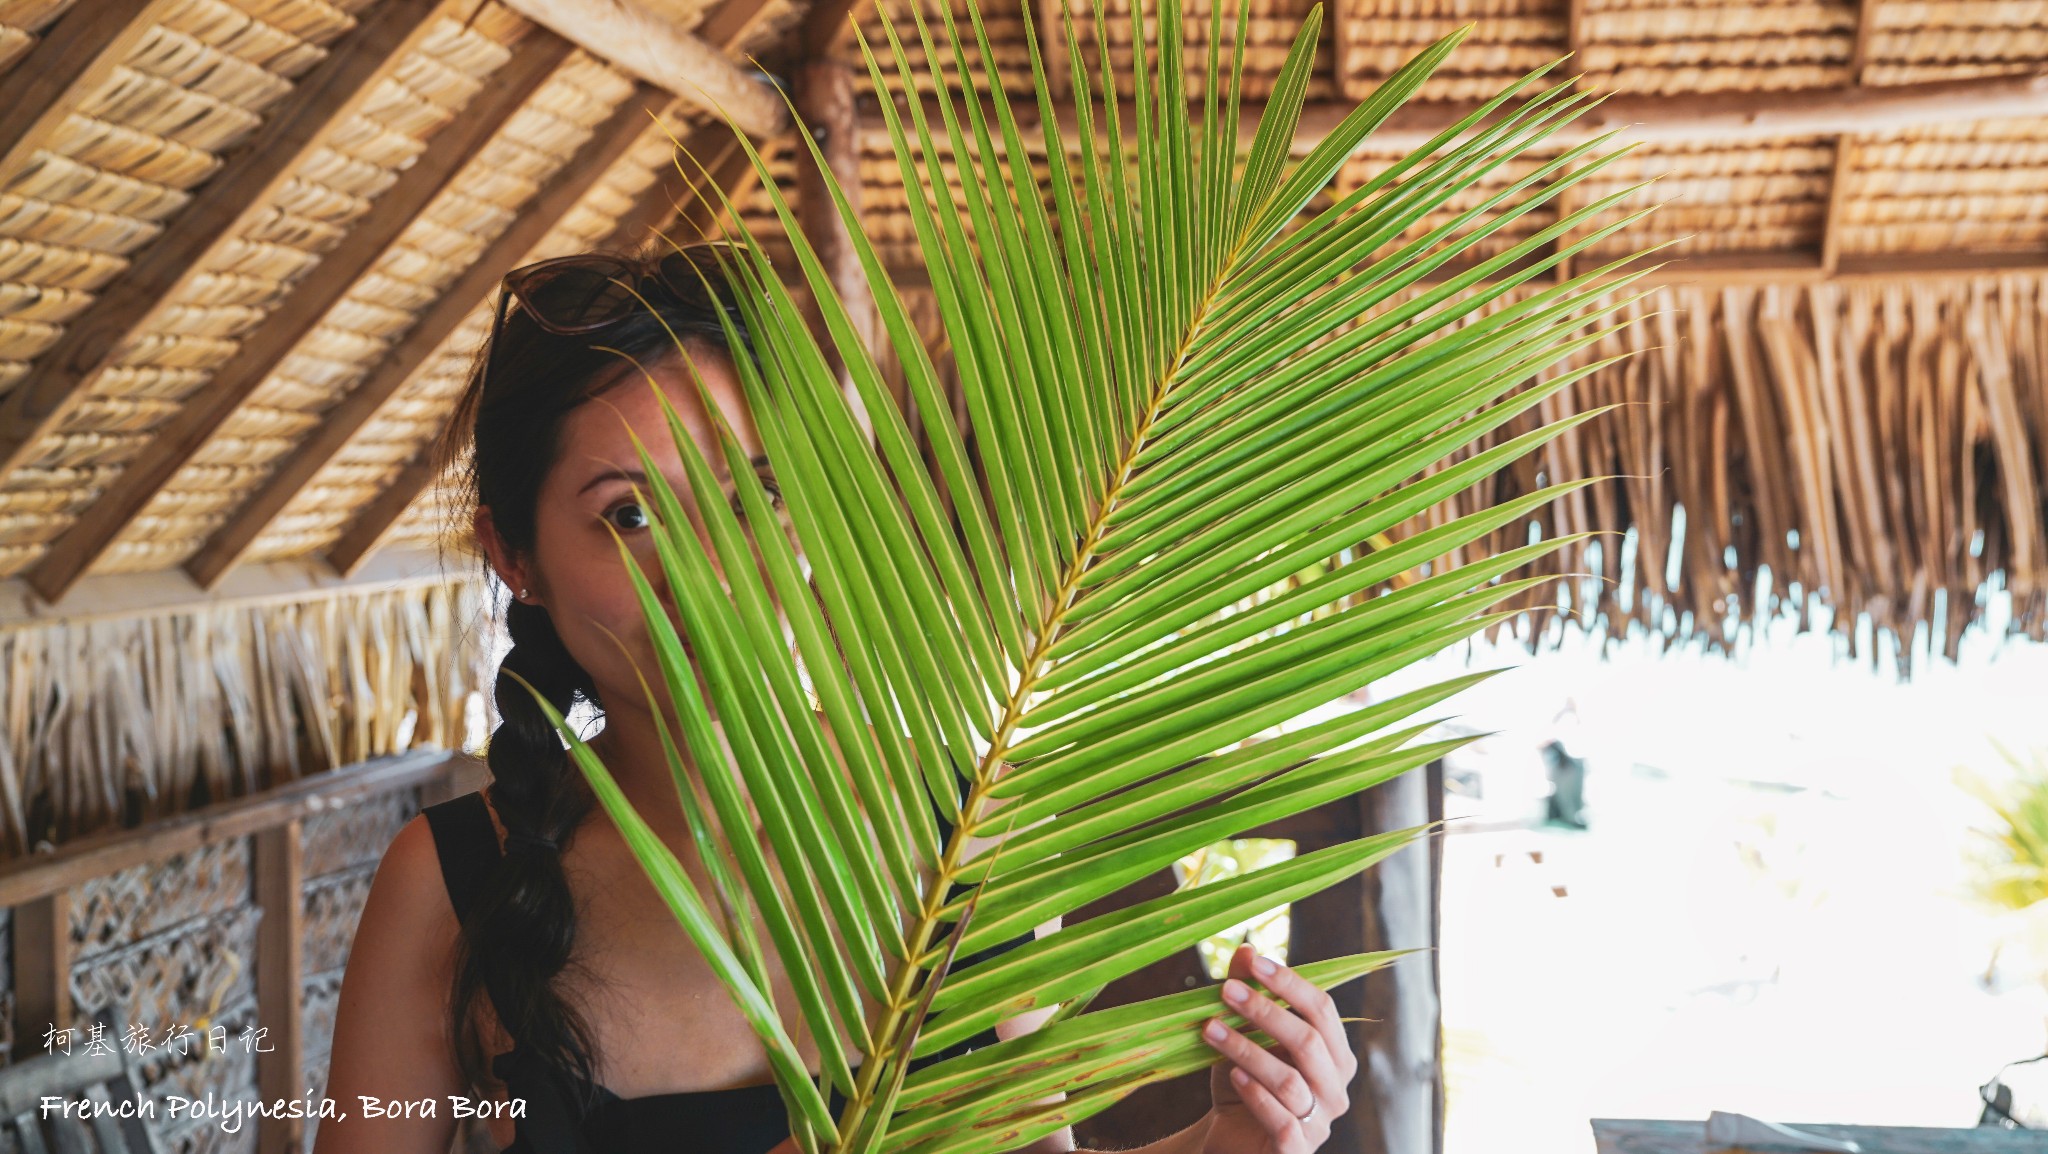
(1880, 452)
(110, 722)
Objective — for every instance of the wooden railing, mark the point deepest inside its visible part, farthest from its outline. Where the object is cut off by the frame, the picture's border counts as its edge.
(38, 889)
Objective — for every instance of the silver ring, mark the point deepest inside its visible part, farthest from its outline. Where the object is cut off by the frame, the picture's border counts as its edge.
(1311, 1110)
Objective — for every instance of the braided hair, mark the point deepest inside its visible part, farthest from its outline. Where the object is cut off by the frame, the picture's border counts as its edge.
(501, 442)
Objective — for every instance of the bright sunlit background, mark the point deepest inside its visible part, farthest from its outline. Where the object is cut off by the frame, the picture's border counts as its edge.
(1770, 909)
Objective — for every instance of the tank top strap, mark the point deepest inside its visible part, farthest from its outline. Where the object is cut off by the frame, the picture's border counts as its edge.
(466, 841)
(553, 1123)
(467, 844)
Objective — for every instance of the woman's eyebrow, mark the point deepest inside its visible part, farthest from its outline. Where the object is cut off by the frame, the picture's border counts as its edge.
(633, 475)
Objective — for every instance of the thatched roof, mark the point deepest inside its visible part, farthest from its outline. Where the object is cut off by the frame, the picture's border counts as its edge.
(247, 248)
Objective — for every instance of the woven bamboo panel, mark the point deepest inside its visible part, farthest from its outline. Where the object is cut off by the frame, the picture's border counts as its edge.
(481, 201)
(1920, 40)
(412, 419)
(1980, 187)
(121, 908)
(1497, 183)
(884, 211)
(228, 1074)
(168, 712)
(1657, 46)
(1269, 34)
(1770, 197)
(121, 163)
(173, 352)
(1005, 24)
(22, 24)
(1509, 38)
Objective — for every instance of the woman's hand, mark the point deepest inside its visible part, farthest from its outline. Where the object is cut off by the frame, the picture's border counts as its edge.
(1279, 1101)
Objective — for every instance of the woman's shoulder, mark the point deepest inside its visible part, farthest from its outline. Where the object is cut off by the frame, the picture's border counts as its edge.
(410, 881)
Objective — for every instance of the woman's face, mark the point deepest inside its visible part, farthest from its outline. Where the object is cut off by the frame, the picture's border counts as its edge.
(573, 569)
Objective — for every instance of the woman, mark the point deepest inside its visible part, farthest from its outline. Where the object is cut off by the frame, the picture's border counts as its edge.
(511, 947)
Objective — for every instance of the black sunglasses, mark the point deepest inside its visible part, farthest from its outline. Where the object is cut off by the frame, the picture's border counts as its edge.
(589, 292)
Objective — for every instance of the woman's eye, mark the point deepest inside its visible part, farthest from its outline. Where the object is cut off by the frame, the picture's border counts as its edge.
(769, 487)
(627, 515)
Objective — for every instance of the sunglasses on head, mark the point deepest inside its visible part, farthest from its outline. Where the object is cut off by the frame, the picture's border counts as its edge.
(589, 292)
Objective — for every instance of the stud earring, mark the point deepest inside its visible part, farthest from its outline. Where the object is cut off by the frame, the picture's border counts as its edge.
(522, 593)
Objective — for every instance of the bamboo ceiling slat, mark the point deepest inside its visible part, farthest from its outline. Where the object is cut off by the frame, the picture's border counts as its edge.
(480, 201)
(101, 183)
(1509, 38)
(1976, 187)
(443, 243)
(22, 25)
(388, 460)
(730, 24)
(76, 59)
(1005, 26)
(201, 326)
(1652, 46)
(1920, 40)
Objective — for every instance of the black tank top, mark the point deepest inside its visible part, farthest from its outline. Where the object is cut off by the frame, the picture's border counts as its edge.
(741, 1120)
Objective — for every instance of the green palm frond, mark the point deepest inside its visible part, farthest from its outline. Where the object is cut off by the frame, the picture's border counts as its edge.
(1197, 414)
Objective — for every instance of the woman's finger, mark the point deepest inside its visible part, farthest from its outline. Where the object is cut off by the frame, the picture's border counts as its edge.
(1315, 1005)
(1282, 1080)
(1281, 1124)
(1302, 1041)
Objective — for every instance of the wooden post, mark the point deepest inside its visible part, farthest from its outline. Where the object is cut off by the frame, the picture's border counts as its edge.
(280, 1071)
(42, 968)
(1846, 153)
(1052, 46)
(1400, 1060)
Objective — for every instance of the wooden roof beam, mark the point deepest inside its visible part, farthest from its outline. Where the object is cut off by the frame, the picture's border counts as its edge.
(171, 447)
(715, 147)
(471, 291)
(1725, 118)
(75, 58)
(644, 44)
(329, 93)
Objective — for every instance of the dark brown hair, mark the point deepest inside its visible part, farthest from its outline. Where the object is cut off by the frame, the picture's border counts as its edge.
(501, 442)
